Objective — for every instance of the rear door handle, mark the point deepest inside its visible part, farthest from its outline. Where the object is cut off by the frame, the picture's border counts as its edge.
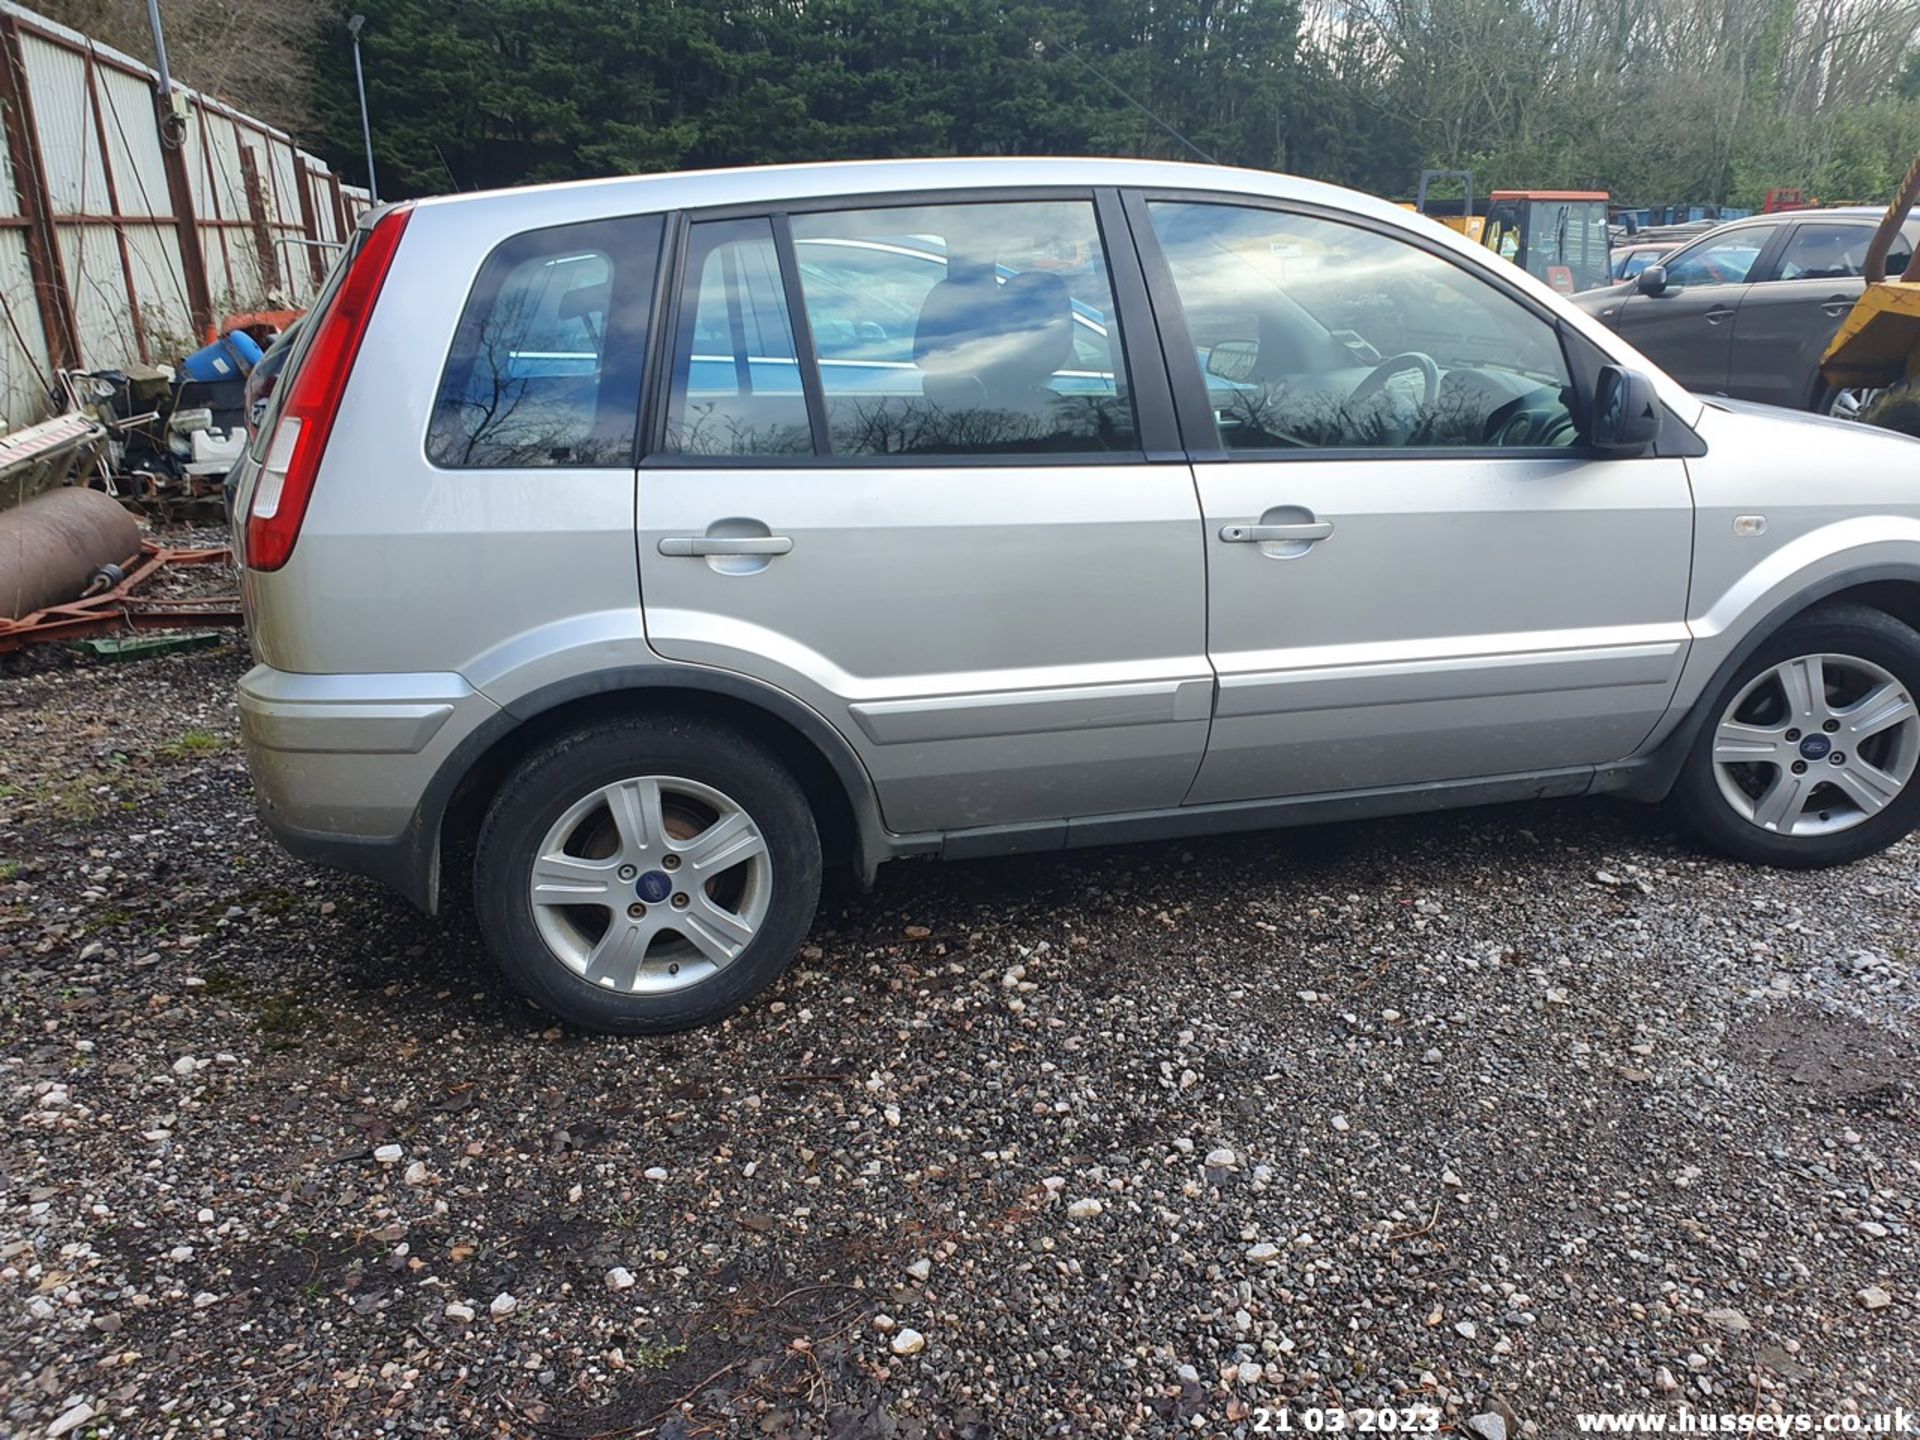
(1837, 305)
(726, 545)
(1261, 534)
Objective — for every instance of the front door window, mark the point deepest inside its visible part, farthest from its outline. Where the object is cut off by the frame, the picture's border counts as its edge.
(1720, 259)
(1317, 335)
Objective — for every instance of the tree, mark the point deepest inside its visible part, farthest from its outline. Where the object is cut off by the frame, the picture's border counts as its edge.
(1654, 100)
(256, 56)
(468, 93)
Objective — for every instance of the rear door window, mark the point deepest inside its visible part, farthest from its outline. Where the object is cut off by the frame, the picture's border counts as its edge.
(546, 364)
(984, 328)
(1823, 250)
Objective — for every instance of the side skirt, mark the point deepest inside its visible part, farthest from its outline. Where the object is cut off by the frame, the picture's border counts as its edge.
(1240, 815)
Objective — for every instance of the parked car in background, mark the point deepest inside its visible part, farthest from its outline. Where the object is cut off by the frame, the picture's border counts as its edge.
(623, 553)
(1748, 309)
(1630, 259)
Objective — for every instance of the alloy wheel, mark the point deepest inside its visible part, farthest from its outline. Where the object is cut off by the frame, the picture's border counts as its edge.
(1847, 404)
(1816, 745)
(651, 884)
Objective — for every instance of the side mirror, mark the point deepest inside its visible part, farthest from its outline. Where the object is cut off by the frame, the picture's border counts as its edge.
(1626, 413)
(1234, 360)
(1653, 279)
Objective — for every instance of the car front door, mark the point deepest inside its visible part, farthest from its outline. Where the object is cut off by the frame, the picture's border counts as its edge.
(1687, 327)
(1793, 310)
(902, 474)
(1417, 571)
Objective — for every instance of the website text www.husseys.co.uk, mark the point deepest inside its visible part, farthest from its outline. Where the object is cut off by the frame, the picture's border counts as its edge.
(1696, 1422)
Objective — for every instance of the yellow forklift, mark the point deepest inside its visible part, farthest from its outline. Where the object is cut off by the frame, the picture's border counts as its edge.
(1878, 346)
(1454, 214)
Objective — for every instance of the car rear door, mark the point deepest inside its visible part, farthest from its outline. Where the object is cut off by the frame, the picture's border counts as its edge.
(901, 470)
(1793, 310)
(1414, 575)
(1687, 328)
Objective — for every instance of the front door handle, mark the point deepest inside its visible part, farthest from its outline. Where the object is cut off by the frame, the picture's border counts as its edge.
(1719, 313)
(1837, 305)
(1261, 534)
(726, 545)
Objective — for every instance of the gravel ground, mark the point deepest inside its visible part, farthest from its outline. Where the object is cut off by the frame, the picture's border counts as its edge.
(1519, 1112)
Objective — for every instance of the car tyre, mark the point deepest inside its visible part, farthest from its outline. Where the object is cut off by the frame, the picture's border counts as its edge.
(1867, 665)
(1843, 404)
(1895, 408)
(605, 839)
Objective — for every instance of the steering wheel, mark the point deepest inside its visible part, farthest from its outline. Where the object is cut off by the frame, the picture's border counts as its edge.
(1393, 365)
(1532, 423)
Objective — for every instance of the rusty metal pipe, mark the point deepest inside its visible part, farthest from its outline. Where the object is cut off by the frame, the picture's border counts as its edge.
(51, 546)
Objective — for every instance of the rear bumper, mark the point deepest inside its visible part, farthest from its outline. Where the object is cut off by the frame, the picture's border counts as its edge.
(341, 763)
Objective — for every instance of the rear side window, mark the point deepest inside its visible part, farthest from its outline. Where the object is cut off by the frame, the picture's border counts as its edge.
(546, 365)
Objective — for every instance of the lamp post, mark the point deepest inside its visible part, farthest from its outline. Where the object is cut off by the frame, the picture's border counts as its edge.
(354, 27)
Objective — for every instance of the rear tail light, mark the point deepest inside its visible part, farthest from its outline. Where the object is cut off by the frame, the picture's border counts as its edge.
(285, 485)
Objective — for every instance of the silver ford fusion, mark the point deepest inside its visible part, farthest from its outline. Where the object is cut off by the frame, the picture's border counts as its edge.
(630, 550)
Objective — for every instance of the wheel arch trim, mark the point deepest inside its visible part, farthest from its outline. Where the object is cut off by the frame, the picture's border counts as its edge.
(1653, 778)
(872, 843)
(1813, 565)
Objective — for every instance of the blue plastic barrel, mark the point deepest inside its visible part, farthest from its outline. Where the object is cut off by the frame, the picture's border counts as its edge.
(230, 357)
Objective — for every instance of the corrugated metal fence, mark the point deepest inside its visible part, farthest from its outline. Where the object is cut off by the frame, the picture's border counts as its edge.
(127, 228)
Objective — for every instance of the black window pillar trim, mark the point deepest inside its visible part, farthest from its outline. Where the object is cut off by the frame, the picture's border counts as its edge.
(1141, 352)
(801, 325)
(657, 383)
(653, 386)
(1199, 430)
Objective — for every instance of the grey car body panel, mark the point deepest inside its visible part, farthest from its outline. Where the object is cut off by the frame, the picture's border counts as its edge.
(953, 640)
(1690, 327)
(1839, 499)
(1365, 661)
(983, 634)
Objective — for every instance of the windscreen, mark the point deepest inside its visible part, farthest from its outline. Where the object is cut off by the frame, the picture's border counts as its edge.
(1567, 243)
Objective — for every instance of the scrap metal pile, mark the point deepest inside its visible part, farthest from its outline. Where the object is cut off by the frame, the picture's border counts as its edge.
(73, 561)
(149, 438)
